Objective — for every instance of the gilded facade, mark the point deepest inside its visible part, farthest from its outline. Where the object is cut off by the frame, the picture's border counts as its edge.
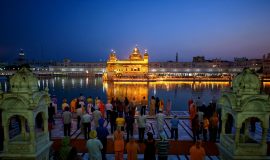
(134, 67)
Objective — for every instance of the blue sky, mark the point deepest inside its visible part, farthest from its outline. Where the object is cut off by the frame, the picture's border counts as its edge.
(87, 30)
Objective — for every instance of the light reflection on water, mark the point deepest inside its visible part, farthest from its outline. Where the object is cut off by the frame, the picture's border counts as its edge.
(178, 92)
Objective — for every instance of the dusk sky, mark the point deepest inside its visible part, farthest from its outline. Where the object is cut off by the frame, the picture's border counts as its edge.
(86, 30)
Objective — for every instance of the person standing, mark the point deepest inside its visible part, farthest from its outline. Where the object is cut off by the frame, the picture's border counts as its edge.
(205, 127)
(126, 106)
(86, 121)
(141, 126)
(89, 100)
(119, 144)
(157, 105)
(109, 109)
(54, 103)
(197, 152)
(144, 104)
(150, 147)
(200, 118)
(161, 105)
(213, 127)
(190, 101)
(102, 108)
(79, 112)
(174, 127)
(50, 119)
(90, 108)
(102, 133)
(113, 117)
(132, 106)
(168, 107)
(120, 122)
(94, 146)
(67, 116)
(129, 125)
(195, 126)
(132, 149)
(64, 104)
(163, 147)
(192, 111)
(96, 116)
(199, 102)
(152, 106)
(160, 121)
(120, 108)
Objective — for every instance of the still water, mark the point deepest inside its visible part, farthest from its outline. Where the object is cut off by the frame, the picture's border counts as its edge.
(177, 92)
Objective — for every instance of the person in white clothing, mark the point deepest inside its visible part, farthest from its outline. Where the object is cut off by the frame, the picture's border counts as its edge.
(86, 121)
(67, 116)
(96, 116)
(160, 122)
(109, 108)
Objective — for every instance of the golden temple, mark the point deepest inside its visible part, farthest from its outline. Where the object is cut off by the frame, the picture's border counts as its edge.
(136, 67)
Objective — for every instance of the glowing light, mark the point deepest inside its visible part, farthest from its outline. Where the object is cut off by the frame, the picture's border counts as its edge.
(5, 86)
(87, 81)
(73, 83)
(81, 83)
(63, 83)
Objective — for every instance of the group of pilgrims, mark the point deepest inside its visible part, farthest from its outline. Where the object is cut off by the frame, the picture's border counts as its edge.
(121, 116)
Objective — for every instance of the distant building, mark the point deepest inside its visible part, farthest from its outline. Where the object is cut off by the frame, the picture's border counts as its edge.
(198, 59)
(266, 64)
(21, 58)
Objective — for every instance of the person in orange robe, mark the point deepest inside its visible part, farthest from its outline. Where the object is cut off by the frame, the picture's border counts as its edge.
(197, 152)
(119, 144)
(102, 108)
(73, 105)
(132, 149)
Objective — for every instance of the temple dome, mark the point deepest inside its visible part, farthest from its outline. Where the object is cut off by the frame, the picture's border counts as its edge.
(135, 55)
(113, 57)
(246, 82)
(23, 81)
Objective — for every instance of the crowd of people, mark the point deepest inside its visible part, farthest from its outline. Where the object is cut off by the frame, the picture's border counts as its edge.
(205, 120)
(121, 116)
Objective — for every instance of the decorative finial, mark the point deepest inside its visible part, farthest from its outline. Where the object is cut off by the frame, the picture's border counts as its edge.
(145, 51)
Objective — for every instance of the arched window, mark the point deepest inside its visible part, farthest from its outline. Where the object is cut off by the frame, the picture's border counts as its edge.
(251, 131)
(18, 128)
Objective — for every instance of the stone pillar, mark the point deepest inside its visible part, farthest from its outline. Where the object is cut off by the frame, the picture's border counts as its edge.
(45, 122)
(264, 135)
(32, 137)
(224, 120)
(237, 135)
(246, 130)
(23, 128)
(6, 136)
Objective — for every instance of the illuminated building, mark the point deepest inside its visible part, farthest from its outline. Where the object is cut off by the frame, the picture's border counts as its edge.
(136, 67)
